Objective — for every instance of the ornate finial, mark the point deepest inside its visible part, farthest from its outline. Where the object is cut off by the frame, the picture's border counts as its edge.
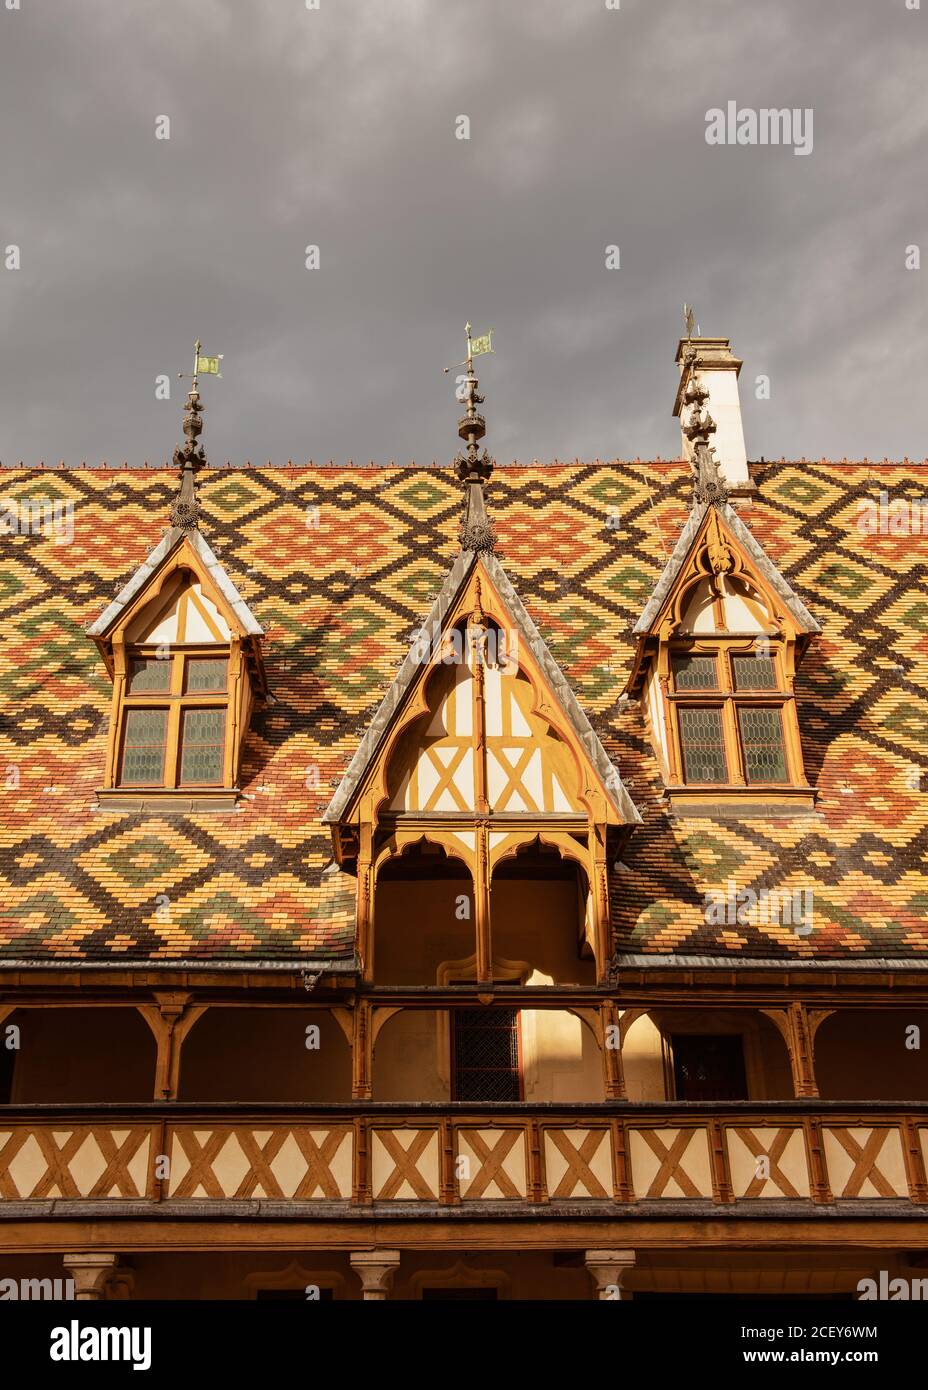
(472, 467)
(190, 456)
(709, 485)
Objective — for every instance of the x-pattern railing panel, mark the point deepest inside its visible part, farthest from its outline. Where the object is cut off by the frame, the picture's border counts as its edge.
(448, 1157)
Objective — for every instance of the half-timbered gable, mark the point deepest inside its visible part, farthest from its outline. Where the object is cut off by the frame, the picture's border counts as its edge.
(480, 747)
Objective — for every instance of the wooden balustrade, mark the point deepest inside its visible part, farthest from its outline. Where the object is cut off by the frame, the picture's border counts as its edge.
(448, 1155)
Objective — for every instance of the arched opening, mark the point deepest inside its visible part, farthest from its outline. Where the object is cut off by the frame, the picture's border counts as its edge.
(487, 1053)
(423, 915)
(692, 1055)
(80, 1054)
(872, 1054)
(539, 914)
(269, 1054)
(561, 1057)
(409, 1063)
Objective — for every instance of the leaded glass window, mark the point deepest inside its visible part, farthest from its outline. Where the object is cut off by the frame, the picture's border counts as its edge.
(202, 745)
(149, 675)
(143, 746)
(754, 672)
(206, 673)
(695, 673)
(703, 744)
(173, 725)
(762, 744)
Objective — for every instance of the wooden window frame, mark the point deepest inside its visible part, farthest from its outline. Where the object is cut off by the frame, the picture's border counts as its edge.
(726, 698)
(176, 700)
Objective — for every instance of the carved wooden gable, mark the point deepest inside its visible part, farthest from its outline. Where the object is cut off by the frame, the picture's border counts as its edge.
(529, 767)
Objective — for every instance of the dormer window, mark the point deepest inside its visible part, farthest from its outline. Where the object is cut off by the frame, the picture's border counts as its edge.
(719, 644)
(174, 719)
(185, 657)
(727, 707)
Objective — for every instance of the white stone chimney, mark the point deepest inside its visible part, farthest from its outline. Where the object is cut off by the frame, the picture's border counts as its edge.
(718, 370)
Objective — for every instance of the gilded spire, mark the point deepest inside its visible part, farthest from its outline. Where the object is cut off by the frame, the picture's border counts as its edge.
(473, 468)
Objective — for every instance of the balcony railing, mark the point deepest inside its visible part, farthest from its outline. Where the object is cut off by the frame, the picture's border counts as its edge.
(356, 1154)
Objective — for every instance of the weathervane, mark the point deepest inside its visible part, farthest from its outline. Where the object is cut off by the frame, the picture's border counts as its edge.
(190, 456)
(474, 468)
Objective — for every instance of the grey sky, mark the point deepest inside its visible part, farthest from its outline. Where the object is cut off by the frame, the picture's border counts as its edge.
(336, 127)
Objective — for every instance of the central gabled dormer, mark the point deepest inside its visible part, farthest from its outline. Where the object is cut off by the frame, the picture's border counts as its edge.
(480, 755)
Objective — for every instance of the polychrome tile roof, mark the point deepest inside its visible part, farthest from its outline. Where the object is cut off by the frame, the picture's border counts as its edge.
(339, 592)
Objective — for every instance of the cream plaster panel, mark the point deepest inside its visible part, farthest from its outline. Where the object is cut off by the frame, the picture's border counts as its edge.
(600, 1164)
(743, 1161)
(889, 1160)
(694, 1161)
(513, 1165)
(426, 1166)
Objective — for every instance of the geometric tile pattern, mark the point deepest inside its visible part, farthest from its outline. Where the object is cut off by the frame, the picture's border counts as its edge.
(340, 565)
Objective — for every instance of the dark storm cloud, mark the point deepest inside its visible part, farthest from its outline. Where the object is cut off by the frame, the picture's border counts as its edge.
(336, 127)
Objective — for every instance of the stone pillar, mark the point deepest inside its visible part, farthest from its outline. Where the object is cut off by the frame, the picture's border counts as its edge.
(608, 1269)
(91, 1272)
(375, 1269)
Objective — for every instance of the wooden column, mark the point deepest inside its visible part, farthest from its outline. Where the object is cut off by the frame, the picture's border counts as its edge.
(170, 1019)
(914, 1160)
(798, 1026)
(365, 909)
(119, 690)
(362, 1051)
(613, 1071)
(671, 733)
(448, 1189)
(599, 898)
(622, 1185)
(361, 1181)
(483, 926)
(537, 1189)
(234, 715)
(721, 1179)
(818, 1168)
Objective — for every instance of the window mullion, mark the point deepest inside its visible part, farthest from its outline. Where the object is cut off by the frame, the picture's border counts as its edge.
(172, 750)
(733, 743)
